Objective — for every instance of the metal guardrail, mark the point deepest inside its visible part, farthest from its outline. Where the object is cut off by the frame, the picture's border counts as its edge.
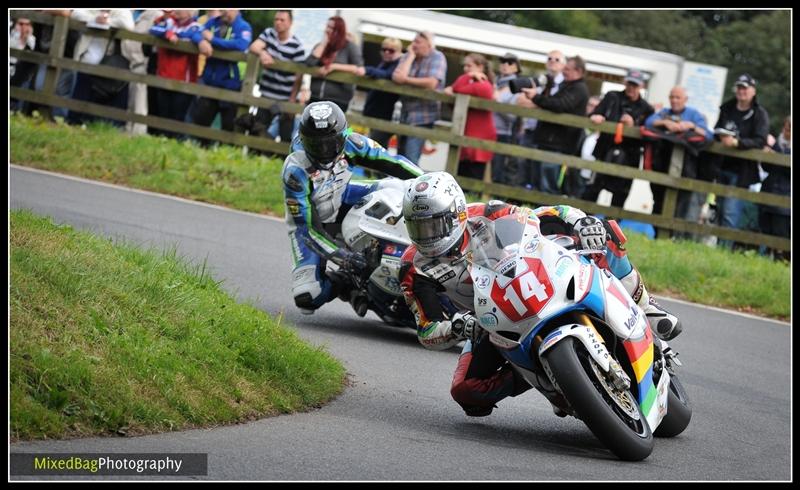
(55, 62)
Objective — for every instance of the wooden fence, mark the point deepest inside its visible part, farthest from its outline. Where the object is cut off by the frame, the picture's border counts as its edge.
(454, 136)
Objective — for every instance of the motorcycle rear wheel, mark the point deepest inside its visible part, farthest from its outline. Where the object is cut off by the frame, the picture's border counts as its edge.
(625, 432)
(679, 413)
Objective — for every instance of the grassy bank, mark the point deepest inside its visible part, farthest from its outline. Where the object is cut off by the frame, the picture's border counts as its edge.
(220, 176)
(682, 270)
(109, 339)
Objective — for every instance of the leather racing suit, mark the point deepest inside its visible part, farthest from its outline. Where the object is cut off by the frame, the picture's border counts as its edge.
(314, 209)
(437, 288)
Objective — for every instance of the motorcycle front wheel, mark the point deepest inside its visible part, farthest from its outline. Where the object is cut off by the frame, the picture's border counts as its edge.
(612, 415)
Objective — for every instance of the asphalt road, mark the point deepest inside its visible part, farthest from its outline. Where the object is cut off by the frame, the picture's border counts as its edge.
(396, 420)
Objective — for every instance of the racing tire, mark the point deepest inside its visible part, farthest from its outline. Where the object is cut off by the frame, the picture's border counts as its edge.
(679, 413)
(628, 437)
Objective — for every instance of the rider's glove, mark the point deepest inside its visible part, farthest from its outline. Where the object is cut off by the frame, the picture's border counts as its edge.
(353, 261)
(591, 232)
(465, 326)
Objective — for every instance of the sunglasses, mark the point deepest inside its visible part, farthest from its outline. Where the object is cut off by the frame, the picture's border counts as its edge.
(508, 62)
(555, 59)
(388, 50)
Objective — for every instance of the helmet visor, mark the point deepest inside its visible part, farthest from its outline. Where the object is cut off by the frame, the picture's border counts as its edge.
(323, 150)
(430, 229)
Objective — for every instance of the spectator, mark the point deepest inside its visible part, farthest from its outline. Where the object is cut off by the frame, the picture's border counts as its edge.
(380, 104)
(570, 97)
(628, 108)
(549, 83)
(228, 32)
(681, 121)
(505, 124)
(577, 179)
(336, 52)
(423, 66)
(277, 43)
(20, 73)
(477, 81)
(175, 65)
(203, 20)
(743, 124)
(138, 56)
(91, 50)
(772, 219)
(66, 80)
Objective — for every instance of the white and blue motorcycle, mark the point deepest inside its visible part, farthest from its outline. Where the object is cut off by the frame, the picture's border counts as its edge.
(570, 329)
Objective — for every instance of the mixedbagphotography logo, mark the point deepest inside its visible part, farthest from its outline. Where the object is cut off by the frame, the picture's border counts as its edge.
(165, 464)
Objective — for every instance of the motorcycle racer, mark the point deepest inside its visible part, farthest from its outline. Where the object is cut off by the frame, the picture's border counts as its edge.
(438, 287)
(318, 191)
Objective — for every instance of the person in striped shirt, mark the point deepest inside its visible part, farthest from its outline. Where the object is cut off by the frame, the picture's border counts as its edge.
(277, 43)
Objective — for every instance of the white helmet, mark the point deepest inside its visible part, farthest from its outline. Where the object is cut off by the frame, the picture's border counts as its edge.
(435, 211)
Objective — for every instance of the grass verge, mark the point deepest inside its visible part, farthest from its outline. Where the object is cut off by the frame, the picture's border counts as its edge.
(220, 176)
(685, 270)
(109, 339)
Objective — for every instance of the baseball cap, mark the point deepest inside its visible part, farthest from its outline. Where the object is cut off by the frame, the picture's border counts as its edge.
(745, 80)
(511, 58)
(635, 76)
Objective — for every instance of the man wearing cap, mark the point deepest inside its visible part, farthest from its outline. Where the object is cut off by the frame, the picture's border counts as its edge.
(627, 107)
(743, 124)
(505, 123)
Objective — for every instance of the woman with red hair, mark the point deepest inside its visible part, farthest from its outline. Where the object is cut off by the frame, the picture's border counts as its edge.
(336, 52)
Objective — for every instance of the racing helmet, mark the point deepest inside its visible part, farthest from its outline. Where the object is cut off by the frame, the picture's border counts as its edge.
(435, 212)
(323, 132)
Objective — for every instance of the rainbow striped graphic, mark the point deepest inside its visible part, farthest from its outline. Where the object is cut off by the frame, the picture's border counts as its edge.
(640, 352)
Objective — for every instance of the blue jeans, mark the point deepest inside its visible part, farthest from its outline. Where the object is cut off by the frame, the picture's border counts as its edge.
(729, 209)
(499, 175)
(548, 177)
(411, 147)
(64, 87)
(528, 173)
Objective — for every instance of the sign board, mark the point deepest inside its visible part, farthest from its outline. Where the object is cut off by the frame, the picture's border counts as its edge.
(705, 86)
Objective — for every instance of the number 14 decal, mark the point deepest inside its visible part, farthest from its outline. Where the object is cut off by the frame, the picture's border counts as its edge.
(525, 295)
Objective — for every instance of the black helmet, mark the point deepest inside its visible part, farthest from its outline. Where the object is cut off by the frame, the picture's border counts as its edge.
(323, 131)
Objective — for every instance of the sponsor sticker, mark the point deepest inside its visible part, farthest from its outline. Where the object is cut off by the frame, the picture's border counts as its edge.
(420, 208)
(489, 320)
(421, 186)
(562, 265)
(531, 246)
(482, 281)
(550, 340)
(293, 206)
(320, 112)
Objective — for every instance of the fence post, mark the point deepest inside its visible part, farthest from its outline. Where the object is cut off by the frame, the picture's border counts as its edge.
(460, 109)
(671, 195)
(57, 46)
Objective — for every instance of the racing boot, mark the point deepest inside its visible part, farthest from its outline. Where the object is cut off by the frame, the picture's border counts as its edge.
(663, 323)
(341, 284)
(476, 411)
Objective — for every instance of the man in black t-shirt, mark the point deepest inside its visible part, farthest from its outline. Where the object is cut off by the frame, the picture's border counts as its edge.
(627, 107)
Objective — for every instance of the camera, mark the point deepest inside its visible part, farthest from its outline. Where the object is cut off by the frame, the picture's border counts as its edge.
(517, 84)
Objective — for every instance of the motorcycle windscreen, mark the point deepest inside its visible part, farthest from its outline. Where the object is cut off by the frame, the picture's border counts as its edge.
(494, 243)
